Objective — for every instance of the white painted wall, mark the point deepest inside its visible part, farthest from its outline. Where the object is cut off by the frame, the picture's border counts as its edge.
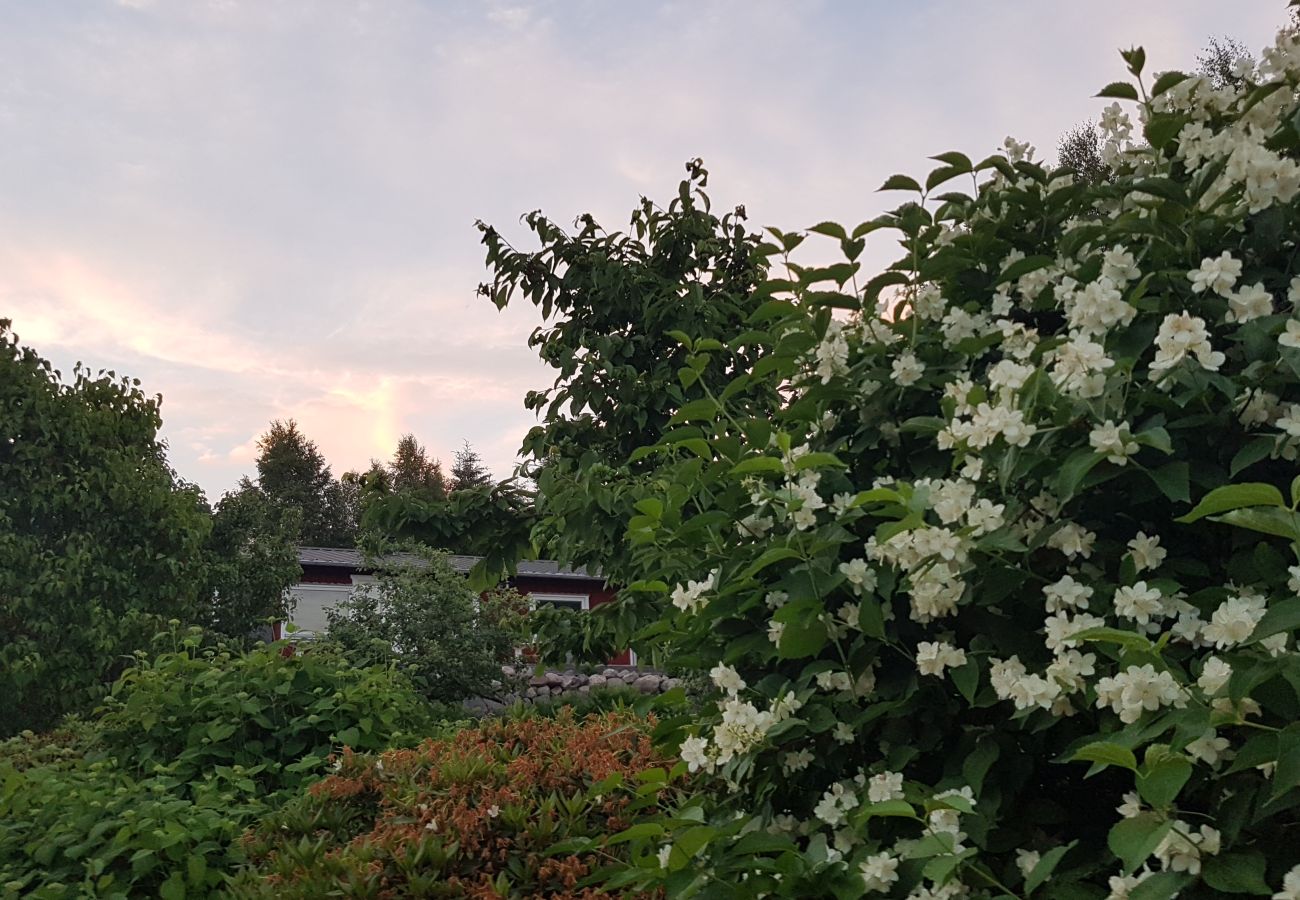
(311, 601)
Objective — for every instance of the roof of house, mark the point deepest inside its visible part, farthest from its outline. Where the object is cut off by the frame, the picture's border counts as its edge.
(354, 559)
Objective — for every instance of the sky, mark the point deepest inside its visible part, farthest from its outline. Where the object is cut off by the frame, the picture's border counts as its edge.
(266, 209)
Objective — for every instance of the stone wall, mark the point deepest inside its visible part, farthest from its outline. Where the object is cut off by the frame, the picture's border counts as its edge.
(526, 685)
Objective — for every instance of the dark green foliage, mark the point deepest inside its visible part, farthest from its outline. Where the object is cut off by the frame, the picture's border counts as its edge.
(421, 616)
(493, 521)
(192, 748)
(615, 305)
(469, 471)
(272, 708)
(412, 471)
(253, 563)
(293, 474)
(1080, 150)
(100, 542)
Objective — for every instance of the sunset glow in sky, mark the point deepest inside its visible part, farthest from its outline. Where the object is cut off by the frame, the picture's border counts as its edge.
(266, 209)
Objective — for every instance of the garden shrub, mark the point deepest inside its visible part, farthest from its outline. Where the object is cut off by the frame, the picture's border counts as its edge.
(421, 616)
(1000, 600)
(75, 828)
(517, 808)
(275, 711)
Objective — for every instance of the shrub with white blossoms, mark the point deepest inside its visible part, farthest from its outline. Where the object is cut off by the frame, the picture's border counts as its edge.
(1020, 617)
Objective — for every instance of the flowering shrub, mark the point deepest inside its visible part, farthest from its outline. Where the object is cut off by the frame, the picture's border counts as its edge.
(512, 808)
(999, 601)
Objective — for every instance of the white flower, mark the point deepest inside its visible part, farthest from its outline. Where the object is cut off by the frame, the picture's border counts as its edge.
(1182, 848)
(1290, 885)
(1026, 860)
(1113, 441)
(1214, 676)
(1181, 335)
(933, 657)
(1138, 689)
(879, 871)
(774, 631)
(727, 679)
(1132, 805)
(1118, 264)
(1138, 602)
(689, 597)
(834, 804)
(986, 516)
(1234, 621)
(1209, 748)
(842, 733)
(664, 854)
(1073, 540)
(694, 753)
(859, 574)
(1291, 336)
(834, 681)
(797, 760)
(1217, 274)
(1249, 303)
(1122, 886)
(885, 786)
(1079, 366)
(1146, 552)
(907, 369)
(1066, 593)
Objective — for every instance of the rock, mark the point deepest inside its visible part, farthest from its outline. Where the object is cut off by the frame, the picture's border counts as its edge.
(538, 681)
(629, 677)
(508, 671)
(530, 693)
(670, 683)
(611, 673)
(543, 692)
(554, 679)
(568, 682)
(584, 689)
(647, 684)
(597, 681)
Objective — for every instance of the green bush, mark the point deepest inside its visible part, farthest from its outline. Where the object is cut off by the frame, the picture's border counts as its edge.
(1000, 600)
(422, 617)
(93, 829)
(271, 708)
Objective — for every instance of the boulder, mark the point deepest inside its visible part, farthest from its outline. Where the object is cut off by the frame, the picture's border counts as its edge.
(647, 684)
(597, 681)
(538, 681)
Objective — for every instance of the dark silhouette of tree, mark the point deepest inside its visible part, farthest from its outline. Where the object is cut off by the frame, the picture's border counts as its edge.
(1080, 149)
(412, 470)
(469, 471)
(292, 473)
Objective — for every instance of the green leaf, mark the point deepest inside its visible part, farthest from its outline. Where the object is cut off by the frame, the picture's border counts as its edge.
(1134, 839)
(1295, 491)
(1166, 81)
(1174, 481)
(1162, 128)
(942, 174)
(1159, 783)
(802, 638)
(871, 290)
(1024, 267)
(348, 737)
(819, 461)
(1287, 774)
(757, 464)
(1251, 453)
(1047, 864)
(1160, 886)
(1236, 873)
(889, 809)
(1072, 472)
(956, 160)
(830, 229)
(1119, 90)
(1283, 616)
(701, 410)
(636, 832)
(1128, 639)
(871, 618)
(1107, 753)
(900, 183)
(1277, 522)
(1135, 58)
(967, 678)
(1234, 496)
(1157, 438)
(770, 556)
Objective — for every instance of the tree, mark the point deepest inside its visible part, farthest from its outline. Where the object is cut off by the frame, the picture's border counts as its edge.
(469, 471)
(1225, 62)
(252, 562)
(1080, 150)
(412, 470)
(293, 474)
(100, 542)
(421, 614)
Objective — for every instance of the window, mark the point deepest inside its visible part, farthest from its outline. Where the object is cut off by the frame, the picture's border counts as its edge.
(576, 602)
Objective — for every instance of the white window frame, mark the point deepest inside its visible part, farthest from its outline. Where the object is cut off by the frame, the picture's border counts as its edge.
(583, 600)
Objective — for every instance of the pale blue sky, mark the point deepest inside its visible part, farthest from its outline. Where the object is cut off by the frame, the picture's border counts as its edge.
(265, 209)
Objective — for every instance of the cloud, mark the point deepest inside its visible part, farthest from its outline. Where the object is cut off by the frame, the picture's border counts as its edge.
(266, 210)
